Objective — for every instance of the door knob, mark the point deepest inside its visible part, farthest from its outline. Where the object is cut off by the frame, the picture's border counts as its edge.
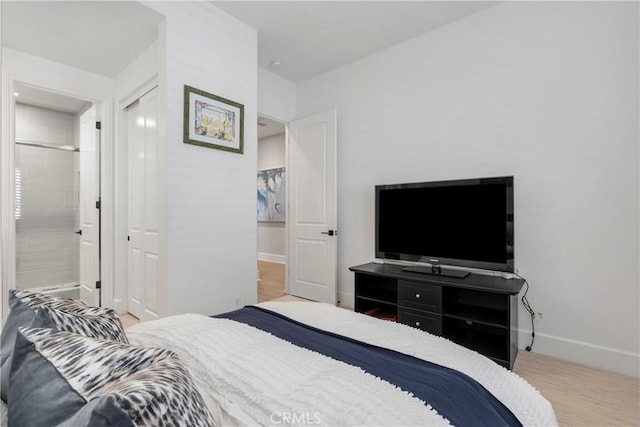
(78, 232)
(330, 232)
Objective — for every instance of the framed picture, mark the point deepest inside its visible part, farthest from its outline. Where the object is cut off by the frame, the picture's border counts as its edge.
(271, 192)
(212, 121)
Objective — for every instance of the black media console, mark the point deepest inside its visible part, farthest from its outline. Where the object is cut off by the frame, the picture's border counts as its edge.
(478, 311)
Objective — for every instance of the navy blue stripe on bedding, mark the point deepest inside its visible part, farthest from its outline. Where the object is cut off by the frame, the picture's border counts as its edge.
(456, 396)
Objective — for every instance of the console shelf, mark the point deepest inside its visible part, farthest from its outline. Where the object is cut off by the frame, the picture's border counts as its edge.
(478, 311)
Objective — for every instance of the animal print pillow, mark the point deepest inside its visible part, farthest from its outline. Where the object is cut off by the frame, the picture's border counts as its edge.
(83, 381)
(94, 322)
(22, 311)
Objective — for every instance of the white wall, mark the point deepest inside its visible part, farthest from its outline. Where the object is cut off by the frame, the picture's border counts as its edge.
(210, 200)
(276, 96)
(271, 235)
(140, 72)
(547, 92)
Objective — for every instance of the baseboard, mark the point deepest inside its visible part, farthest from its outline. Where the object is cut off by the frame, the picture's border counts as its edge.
(272, 258)
(595, 356)
(345, 300)
(120, 306)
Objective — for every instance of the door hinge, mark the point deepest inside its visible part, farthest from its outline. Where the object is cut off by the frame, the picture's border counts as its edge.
(98, 204)
(128, 238)
(98, 125)
(98, 284)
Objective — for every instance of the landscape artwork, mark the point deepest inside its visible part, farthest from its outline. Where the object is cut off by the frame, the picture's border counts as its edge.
(271, 195)
(212, 121)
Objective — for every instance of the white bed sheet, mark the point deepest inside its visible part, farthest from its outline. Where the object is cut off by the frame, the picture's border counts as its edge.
(258, 379)
(250, 377)
(524, 401)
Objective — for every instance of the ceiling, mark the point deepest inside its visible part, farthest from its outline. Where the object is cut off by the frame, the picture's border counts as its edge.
(313, 37)
(308, 37)
(30, 95)
(102, 37)
(268, 127)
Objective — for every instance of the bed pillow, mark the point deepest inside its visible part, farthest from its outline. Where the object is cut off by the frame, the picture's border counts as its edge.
(61, 378)
(93, 322)
(22, 311)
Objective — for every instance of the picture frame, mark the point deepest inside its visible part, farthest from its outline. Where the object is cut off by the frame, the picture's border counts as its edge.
(272, 188)
(213, 121)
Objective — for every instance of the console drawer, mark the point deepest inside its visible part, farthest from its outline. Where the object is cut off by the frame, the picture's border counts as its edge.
(428, 322)
(420, 296)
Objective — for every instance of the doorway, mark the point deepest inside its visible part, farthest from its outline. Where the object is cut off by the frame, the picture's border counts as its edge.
(47, 191)
(310, 181)
(271, 209)
(85, 62)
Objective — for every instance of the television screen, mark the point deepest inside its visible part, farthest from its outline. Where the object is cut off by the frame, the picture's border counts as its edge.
(465, 223)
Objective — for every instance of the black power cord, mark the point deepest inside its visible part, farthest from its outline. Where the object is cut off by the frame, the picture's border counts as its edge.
(527, 306)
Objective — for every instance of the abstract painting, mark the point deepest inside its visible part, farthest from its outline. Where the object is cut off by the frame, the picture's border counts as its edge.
(271, 194)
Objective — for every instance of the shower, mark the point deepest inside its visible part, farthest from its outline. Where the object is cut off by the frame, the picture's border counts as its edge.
(46, 192)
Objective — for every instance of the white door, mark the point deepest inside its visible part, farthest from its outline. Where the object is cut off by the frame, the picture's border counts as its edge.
(89, 214)
(313, 208)
(143, 251)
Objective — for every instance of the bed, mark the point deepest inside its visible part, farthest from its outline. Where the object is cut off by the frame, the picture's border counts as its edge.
(274, 363)
(319, 364)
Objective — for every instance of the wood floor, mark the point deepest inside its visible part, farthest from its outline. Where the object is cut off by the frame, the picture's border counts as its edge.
(580, 396)
(270, 280)
(128, 320)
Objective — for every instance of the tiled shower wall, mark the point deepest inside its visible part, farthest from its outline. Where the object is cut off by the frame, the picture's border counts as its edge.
(46, 246)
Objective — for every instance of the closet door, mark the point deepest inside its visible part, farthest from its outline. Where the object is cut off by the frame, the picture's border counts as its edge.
(144, 237)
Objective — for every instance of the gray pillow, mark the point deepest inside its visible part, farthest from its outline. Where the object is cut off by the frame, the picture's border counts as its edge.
(61, 378)
(22, 311)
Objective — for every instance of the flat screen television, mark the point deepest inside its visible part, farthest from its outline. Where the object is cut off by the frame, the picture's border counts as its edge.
(464, 223)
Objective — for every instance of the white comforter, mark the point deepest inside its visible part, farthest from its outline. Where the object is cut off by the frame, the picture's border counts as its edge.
(250, 377)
